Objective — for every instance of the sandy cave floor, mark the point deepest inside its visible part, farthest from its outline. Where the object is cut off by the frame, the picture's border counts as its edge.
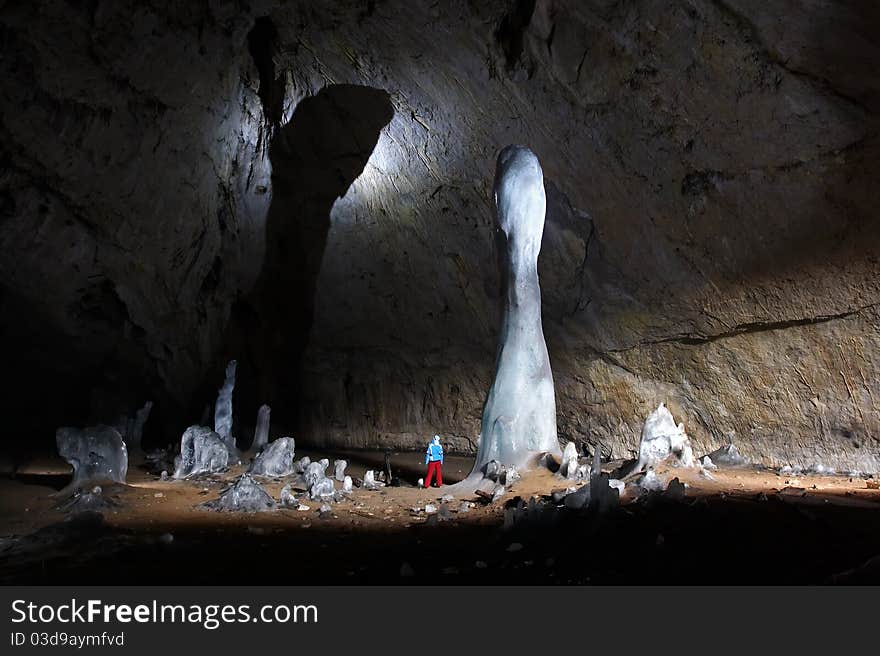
(748, 525)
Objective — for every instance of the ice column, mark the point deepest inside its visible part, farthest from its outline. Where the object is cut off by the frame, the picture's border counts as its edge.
(261, 434)
(223, 408)
(519, 418)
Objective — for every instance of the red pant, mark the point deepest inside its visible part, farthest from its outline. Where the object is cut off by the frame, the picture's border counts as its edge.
(434, 467)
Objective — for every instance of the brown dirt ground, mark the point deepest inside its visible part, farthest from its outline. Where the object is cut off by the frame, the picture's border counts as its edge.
(740, 517)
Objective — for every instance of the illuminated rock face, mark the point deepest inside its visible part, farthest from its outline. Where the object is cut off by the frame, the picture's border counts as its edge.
(519, 418)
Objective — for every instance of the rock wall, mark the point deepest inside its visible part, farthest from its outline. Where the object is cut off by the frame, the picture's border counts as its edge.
(133, 203)
(711, 238)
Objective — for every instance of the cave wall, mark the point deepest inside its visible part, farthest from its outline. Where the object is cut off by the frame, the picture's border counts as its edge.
(133, 203)
(711, 238)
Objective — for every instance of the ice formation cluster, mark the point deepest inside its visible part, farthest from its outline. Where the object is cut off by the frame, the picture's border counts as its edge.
(223, 407)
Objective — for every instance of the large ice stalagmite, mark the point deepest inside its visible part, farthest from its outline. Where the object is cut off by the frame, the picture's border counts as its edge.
(201, 452)
(519, 418)
(261, 434)
(223, 408)
(97, 453)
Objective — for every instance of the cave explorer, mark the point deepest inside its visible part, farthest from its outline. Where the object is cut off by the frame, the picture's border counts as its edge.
(434, 460)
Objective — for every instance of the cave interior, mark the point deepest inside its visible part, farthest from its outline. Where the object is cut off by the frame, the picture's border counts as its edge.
(306, 188)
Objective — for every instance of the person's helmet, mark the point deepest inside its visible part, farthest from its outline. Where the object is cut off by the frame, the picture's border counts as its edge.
(436, 439)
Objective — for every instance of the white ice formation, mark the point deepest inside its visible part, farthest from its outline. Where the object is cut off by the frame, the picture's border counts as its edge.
(569, 466)
(276, 459)
(663, 440)
(261, 433)
(370, 480)
(201, 452)
(223, 408)
(96, 453)
(245, 495)
(519, 418)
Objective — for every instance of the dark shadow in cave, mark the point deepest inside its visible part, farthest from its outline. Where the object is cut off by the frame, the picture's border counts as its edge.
(315, 158)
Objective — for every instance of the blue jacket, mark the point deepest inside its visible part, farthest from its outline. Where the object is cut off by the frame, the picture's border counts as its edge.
(434, 453)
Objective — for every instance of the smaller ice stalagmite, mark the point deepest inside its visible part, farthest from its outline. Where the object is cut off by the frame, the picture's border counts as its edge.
(223, 408)
(245, 495)
(568, 468)
(261, 433)
(201, 452)
(347, 484)
(323, 489)
(727, 456)
(370, 480)
(339, 469)
(317, 483)
(663, 440)
(96, 453)
(288, 497)
(314, 472)
(276, 459)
